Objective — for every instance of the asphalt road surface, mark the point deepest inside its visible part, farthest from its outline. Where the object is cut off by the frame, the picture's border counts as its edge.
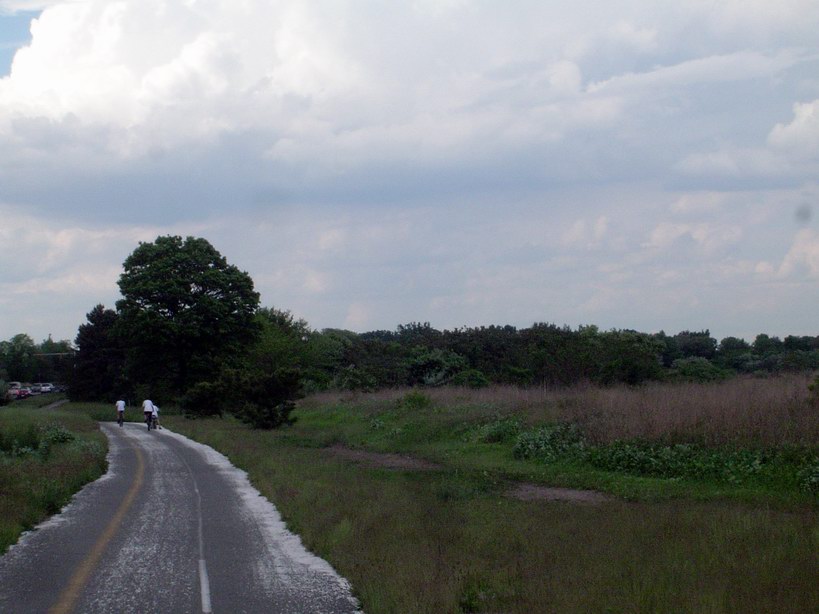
(172, 527)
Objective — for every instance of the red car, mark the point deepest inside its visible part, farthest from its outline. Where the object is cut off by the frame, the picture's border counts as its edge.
(17, 391)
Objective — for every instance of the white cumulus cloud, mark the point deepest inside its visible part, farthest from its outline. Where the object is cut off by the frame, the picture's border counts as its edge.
(803, 256)
(801, 136)
(456, 161)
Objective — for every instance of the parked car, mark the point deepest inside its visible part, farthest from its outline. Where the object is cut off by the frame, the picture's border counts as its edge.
(13, 392)
(36, 388)
(46, 387)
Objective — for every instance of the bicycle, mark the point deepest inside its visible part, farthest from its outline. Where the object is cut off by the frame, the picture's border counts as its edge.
(120, 418)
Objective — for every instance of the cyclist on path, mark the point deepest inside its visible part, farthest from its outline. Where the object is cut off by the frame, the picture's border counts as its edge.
(148, 410)
(120, 412)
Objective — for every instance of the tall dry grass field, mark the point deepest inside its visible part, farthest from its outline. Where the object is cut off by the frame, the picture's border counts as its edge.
(747, 411)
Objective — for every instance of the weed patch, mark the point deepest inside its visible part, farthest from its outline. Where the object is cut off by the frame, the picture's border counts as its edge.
(45, 457)
(789, 468)
(500, 430)
(808, 477)
(415, 400)
(550, 443)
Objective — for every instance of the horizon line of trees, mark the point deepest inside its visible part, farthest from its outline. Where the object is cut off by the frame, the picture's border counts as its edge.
(490, 349)
(414, 354)
(544, 354)
(189, 329)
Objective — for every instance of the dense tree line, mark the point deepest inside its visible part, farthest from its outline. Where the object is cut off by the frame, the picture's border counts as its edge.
(189, 329)
(541, 355)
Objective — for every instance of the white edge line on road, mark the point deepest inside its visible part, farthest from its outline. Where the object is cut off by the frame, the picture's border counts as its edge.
(204, 585)
(289, 544)
(204, 582)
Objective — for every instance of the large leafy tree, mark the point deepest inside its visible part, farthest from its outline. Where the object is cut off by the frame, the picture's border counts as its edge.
(185, 313)
(699, 343)
(99, 361)
(282, 341)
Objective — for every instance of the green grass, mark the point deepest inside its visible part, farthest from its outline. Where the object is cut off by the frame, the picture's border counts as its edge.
(449, 540)
(476, 438)
(45, 457)
(38, 400)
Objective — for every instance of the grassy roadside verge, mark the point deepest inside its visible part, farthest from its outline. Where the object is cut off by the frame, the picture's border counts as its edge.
(451, 540)
(45, 457)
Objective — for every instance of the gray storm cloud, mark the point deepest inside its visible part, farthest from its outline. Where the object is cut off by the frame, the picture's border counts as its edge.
(604, 149)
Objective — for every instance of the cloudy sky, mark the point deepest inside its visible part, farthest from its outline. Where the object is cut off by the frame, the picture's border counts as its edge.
(630, 164)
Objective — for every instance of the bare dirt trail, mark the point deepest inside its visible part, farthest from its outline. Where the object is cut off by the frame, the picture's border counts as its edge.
(523, 491)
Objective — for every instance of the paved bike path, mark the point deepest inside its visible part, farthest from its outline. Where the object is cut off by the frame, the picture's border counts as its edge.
(171, 527)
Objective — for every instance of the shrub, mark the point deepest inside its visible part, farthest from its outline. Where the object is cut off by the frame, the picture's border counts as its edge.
(262, 400)
(697, 369)
(502, 429)
(434, 367)
(55, 433)
(471, 378)
(267, 399)
(18, 436)
(682, 460)
(550, 443)
(697, 462)
(415, 400)
(205, 399)
(814, 392)
(809, 477)
(49, 434)
(639, 458)
(266, 415)
(354, 379)
(29, 438)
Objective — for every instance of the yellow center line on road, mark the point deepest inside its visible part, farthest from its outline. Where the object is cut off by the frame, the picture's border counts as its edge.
(68, 599)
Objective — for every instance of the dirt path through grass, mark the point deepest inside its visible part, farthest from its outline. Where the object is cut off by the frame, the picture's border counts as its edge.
(56, 404)
(381, 459)
(522, 491)
(535, 492)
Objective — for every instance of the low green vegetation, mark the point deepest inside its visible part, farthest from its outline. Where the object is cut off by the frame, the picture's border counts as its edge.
(444, 500)
(45, 457)
(42, 400)
(701, 516)
(787, 469)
